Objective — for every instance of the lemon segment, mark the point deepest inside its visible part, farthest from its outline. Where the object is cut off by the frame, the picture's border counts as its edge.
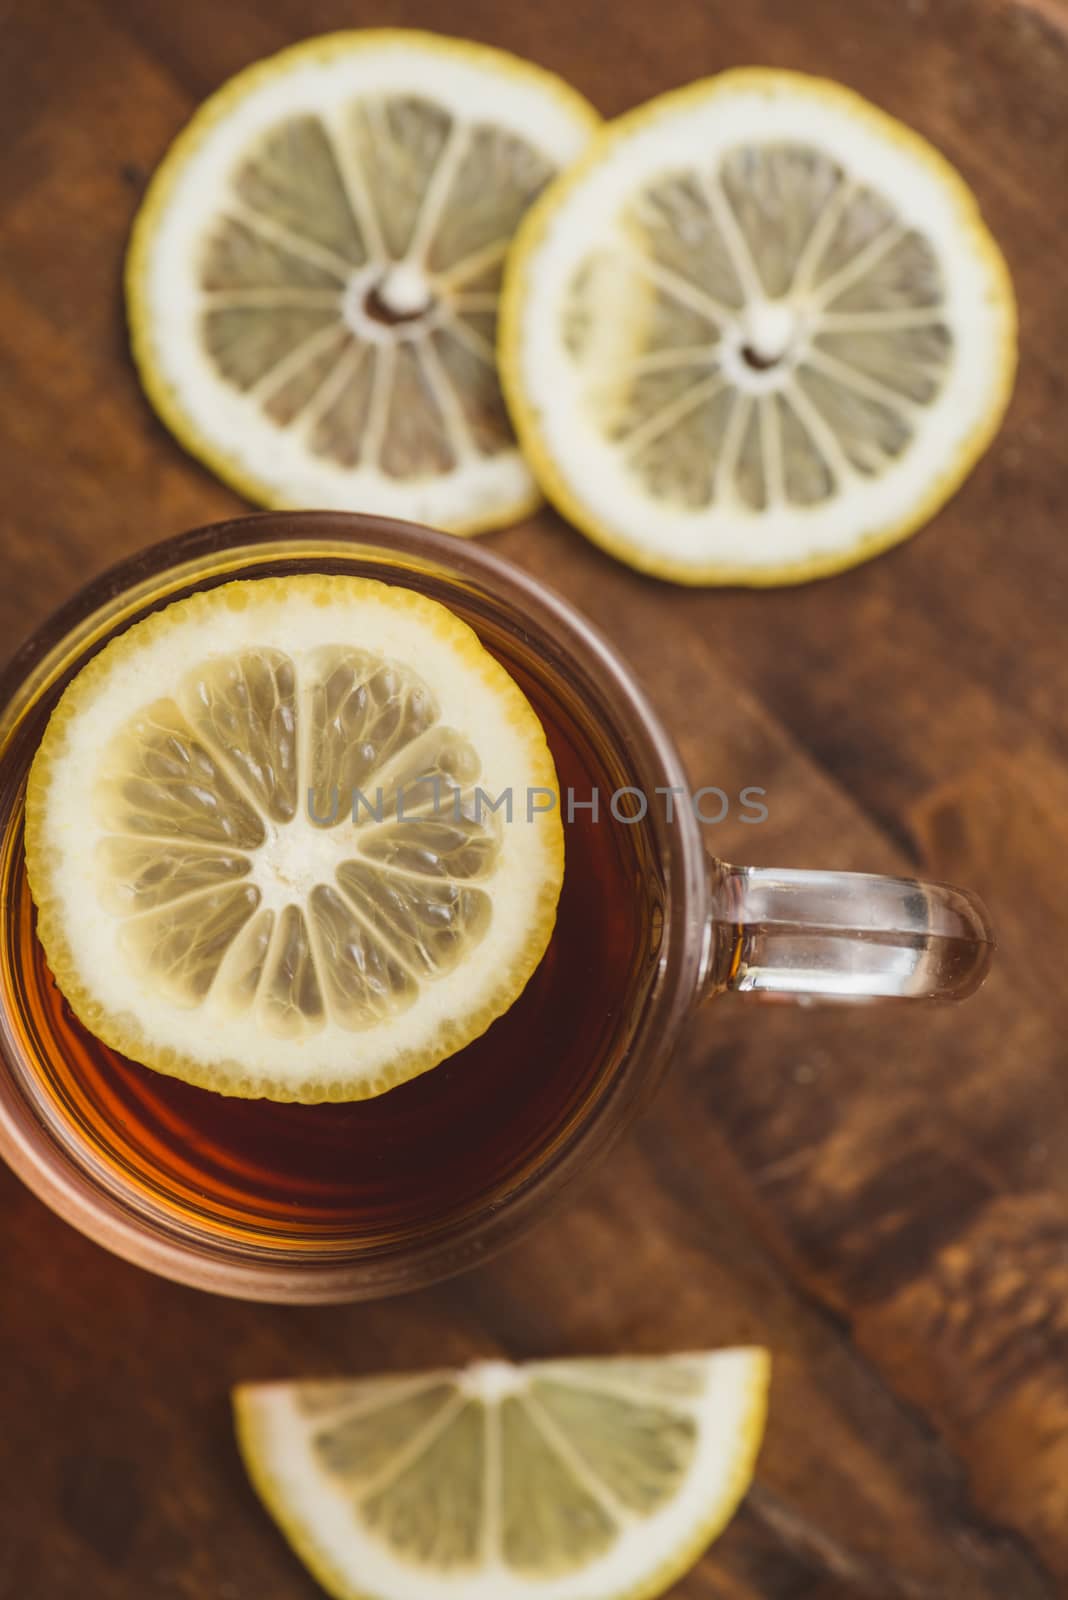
(313, 277)
(266, 838)
(756, 334)
(570, 1480)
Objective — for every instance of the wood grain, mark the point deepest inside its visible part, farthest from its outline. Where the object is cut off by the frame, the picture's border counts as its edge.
(880, 1197)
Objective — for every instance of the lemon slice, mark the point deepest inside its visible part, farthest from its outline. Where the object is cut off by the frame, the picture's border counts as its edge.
(313, 278)
(757, 334)
(294, 837)
(566, 1480)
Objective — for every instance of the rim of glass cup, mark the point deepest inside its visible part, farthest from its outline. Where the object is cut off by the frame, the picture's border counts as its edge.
(92, 1199)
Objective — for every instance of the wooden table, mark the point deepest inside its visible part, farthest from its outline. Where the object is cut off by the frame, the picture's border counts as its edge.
(878, 1196)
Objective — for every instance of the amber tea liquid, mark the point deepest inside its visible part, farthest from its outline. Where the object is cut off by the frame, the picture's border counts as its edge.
(416, 1158)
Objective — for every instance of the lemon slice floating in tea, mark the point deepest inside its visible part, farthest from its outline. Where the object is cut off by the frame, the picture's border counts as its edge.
(757, 334)
(565, 1480)
(313, 277)
(261, 837)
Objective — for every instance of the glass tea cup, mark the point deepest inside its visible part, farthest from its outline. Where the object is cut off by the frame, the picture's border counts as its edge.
(294, 1203)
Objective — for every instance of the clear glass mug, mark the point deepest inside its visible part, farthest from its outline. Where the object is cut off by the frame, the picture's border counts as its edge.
(705, 928)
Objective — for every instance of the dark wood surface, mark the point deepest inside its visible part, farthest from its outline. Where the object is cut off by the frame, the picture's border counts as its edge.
(881, 1197)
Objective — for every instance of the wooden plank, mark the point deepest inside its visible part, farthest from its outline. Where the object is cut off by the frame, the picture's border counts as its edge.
(879, 1196)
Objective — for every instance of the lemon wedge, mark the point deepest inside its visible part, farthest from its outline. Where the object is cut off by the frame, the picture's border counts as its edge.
(565, 1480)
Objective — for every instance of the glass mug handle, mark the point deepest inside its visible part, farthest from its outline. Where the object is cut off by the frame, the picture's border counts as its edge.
(808, 936)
